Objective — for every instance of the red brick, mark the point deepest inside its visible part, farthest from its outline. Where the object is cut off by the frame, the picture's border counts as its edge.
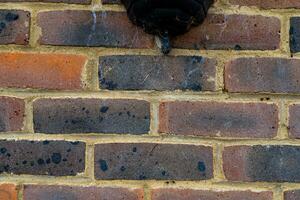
(11, 114)
(8, 192)
(84, 28)
(49, 192)
(44, 71)
(268, 4)
(189, 194)
(276, 75)
(292, 195)
(294, 116)
(251, 120)
(220, 32)
(14, 27)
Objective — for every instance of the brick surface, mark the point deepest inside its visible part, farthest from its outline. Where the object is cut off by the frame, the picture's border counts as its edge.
(252, 120)
(14, 27)
(295, 34)
(272, 75)
(294, 116)
(267, 4)
(139, 161)
(83, 28)
(91, 115)
(111, 1)
(51, 1)
(219, 32)
(157, 73)
(188, 194)
(262, 163)
(54, 158)
(32, 192)
(42, 71)
(11, 114)
(8, 192)
(292, 195)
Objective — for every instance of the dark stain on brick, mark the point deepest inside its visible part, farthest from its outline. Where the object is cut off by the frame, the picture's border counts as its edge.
(201, 166)
(104, 109)
(103, 165)
(9, 17)
(56, 158)
(295, 34)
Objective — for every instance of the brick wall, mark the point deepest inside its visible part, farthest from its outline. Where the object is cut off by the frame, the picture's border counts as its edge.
(90, 109)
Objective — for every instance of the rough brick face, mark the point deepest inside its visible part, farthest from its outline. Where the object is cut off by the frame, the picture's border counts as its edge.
(51, 1)
(73, 193)
(187, 194)
(54, 158)
(157, 73)
(219, 32)
(262, 163)
(43, 71)
(91, 116)
(268, 4)
(138, 161)
(294, 116)
(295, 34)
(252, 120)
(14, 27)
(83, 28)
(272, 75)
(292, 195)
(11, 114)
(8, 192)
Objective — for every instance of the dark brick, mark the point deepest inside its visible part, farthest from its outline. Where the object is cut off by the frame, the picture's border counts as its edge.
(276, 75)
(52, 1)
(138, 161)
(14, 27)
(268, 4)
(42, 158)
(255, 32)
(189, 194)
(91, 116)
(295, 34)
(294, 116)
(111, 1)
(157, 73)
(292, 195)
(252, 120)
(262, 163)
(11, 114)
(48, 192)
(84, 28)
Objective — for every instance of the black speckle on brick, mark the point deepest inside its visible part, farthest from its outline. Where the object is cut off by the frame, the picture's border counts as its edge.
(201, 166)
(56, 158)
(40, 161)
(3, 150)
(104, 109)
(295, 34)
(11, 17)
(46, 142)
(103, 165)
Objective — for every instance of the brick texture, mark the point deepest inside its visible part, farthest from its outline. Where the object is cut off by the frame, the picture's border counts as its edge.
(294, 116)
(140, 161)
(269, 75)
(8, 192)
(11, 114)
(292, 195)
(50, 1)
(157, 73)
(267, 4)
(71, 193)
(252, 120)
(41, 71)
(295, 34)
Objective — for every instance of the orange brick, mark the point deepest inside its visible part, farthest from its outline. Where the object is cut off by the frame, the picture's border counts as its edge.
(8, 192)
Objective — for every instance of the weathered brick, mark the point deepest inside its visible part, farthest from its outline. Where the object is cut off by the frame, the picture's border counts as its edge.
(292, 195)
(295, 34)
(52, 1)
(14, 27)
(219, 32)
(189, 194)
(48, 192)
(43, 71)
(294, 116)
(139, 161)
(111, 1)
(251, 120)
(157, 73)
(11, 114)
(54, 158)
(262, 163)
(119, 116)
(268, 4)
(84, 28)
(276, 75)
(8, 192)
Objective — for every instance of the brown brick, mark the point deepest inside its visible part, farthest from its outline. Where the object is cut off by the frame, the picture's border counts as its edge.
(84, 28)
(121, 116)
(189, 194)
(157, 73)
(51, 1)
(44, 71)
(294, 116)
(262, 163)
(276, 75)
(14, 27)
(139, 161)
(8, 192)
(292, 195)
(11, 114)
(220, 32)
(251, 120)
(54, 158)
(48, 192)
(267, 4)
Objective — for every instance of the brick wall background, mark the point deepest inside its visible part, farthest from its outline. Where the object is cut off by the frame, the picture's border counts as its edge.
(90, 109)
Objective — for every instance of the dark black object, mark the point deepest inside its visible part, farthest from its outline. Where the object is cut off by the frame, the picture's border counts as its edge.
(167, 17)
